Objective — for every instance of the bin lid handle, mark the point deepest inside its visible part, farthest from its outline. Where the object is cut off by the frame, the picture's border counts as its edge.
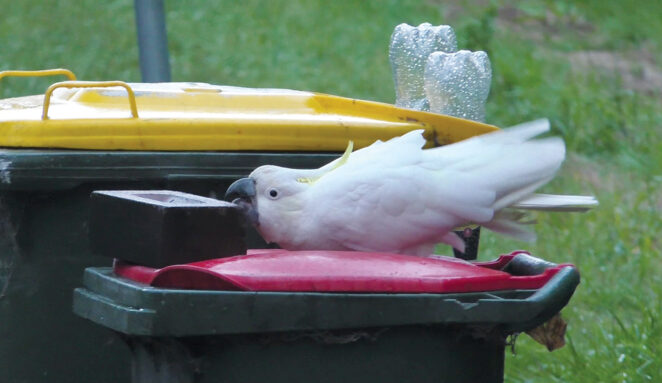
(90, 84)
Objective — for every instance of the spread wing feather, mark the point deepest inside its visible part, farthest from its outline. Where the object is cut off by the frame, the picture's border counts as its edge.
(420, 195)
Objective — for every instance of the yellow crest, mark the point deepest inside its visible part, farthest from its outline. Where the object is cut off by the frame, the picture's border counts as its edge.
(339, 162)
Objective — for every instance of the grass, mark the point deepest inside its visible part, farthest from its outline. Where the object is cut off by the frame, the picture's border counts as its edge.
(610, 126)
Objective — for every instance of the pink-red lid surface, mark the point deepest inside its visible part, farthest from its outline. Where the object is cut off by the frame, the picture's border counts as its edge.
(336, 271)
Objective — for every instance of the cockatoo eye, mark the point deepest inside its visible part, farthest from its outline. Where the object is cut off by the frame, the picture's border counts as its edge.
(273, 193)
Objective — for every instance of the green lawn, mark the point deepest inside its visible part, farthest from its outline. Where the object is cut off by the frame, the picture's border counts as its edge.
(592, 67)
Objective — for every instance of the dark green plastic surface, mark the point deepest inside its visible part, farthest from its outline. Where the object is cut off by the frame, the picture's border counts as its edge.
(44, 248)
(411, 354)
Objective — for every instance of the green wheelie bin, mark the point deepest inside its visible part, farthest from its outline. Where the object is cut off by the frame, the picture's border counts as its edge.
(80, 136)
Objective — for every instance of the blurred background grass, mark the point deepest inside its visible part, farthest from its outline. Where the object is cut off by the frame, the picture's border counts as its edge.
(592, 67)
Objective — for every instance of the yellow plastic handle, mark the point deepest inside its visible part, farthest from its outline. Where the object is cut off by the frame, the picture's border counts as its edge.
(89, 84)
(38, 73)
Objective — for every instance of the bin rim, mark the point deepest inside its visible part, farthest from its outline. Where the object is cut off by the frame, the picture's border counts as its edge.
(138, 309)
(48, 169)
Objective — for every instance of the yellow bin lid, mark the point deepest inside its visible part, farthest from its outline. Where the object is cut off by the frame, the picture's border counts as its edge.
(115, 115)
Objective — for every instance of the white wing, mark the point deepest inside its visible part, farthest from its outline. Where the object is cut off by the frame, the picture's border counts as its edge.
(394, 196)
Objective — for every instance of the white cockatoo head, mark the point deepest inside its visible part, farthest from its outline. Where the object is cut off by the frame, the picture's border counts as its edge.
(277, 196)
(276, 193)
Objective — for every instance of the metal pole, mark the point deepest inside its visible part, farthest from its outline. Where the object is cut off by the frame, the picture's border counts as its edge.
(152, 40)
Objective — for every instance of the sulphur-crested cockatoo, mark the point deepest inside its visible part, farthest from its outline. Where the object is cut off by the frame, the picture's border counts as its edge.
(397, 197)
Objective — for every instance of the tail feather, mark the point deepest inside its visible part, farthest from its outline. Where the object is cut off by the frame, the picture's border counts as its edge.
(555, 202)
(511, 221)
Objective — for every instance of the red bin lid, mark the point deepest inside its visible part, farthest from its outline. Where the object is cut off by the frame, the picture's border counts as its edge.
(336, 271)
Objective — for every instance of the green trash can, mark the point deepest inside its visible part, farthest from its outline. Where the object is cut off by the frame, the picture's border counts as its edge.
(183, 335)
(82, 136)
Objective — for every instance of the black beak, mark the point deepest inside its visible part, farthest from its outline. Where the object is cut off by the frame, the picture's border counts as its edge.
(242, 193)
(243, 188)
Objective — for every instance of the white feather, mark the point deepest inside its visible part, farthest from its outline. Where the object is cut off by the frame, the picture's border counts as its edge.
(554, 202)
